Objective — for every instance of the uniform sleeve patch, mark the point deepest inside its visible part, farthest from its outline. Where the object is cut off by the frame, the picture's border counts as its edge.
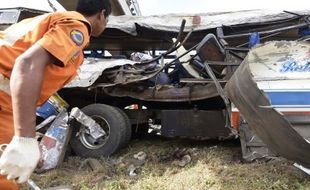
(77, 37)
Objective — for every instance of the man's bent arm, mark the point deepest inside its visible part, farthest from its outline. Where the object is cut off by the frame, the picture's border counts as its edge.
(25, 83)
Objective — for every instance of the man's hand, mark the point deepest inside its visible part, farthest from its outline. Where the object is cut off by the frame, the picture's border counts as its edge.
(20, 158)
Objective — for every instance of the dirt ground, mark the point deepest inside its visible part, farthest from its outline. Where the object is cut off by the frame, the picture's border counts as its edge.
(153, 162)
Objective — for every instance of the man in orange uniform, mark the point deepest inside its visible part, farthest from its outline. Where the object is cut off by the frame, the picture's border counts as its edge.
(38, 56)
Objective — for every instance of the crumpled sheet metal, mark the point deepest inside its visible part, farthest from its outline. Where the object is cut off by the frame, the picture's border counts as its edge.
(92, 69)
(94, 128)
(166, 93)
(203, 21)
(269, 124)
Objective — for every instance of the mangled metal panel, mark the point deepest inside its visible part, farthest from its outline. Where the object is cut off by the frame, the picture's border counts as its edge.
(165, 93)
(271, 62)
(92, 69)
(204, 21)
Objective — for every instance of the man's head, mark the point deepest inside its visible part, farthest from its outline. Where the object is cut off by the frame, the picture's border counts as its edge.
(96, 12)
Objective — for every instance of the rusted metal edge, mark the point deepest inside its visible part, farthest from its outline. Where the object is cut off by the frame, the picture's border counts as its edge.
(166, 93)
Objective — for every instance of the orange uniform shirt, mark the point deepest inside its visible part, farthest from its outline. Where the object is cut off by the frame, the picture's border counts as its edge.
(63, 34)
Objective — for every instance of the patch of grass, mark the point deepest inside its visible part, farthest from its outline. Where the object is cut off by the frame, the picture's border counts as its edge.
(213, 166)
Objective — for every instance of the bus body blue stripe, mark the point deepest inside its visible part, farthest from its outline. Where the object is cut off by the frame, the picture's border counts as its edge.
(295, 98)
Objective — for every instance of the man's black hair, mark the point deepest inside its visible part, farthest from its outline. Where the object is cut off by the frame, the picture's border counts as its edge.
(91, 7)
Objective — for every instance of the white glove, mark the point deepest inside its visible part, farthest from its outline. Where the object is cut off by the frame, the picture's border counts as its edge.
(20, 158)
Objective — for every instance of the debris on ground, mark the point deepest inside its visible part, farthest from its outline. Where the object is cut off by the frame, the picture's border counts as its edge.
(93, 163)
(140, 156)
(118, 161)
(34, 186)
(178, 154)
(185, 160)
(208, 169)
(132, 170)
(65, 187)
(179, 157)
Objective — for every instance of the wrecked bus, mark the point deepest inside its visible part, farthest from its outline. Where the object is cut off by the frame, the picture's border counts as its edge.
(185, 87)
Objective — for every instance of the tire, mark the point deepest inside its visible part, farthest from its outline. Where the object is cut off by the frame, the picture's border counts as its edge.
(128, 130)
(112, 122)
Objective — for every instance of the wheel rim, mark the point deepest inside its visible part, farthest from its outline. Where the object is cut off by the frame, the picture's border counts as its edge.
(88, 141)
